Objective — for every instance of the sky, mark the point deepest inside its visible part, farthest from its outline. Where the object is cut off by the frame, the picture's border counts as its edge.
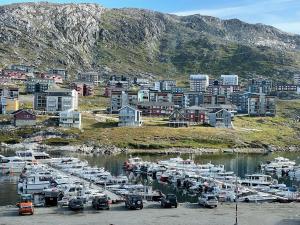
(283, 14)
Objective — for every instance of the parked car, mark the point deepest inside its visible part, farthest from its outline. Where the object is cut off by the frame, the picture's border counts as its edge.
(208, 200)
(134, 202)
(169, 200)
(76, 204)
(25, 205)
(101, 202)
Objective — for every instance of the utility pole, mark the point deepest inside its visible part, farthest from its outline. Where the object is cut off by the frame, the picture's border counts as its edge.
(236, 190)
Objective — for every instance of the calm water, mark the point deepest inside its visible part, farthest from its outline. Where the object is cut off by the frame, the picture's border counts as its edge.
(246, 164)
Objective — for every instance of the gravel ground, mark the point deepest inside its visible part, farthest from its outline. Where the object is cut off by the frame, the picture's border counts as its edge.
(185, 214)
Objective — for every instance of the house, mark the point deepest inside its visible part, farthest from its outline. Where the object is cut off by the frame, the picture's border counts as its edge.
(60, 72)
(118, 100)
(220, 118)
(143, 96)
(23, 68)
(34, 85)
(15, 75)
(83, 89)
(178, 119)
(91, 77)
(129, 116)
(23, 118)
(70, 118)
(260, 104)
(196, 115)
(9, 92)
(156, 108)
(188, 116)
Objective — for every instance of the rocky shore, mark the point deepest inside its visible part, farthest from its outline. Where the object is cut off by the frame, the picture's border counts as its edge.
(96, 148)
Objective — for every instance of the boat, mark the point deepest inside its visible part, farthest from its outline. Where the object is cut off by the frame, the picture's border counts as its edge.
(258, 197)
(279, 164)
(11, 164)
(34, 183)
(30, 155)
(258, 180)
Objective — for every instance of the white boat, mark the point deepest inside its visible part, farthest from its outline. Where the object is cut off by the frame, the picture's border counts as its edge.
(258, 197)
(30, 156)
(258, 180)
(11, 164)
(33, 183)
(279, 164)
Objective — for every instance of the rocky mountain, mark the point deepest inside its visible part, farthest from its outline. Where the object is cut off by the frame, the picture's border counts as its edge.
(85, 37)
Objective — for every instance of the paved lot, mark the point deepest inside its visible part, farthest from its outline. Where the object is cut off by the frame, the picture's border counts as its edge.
(185, 214)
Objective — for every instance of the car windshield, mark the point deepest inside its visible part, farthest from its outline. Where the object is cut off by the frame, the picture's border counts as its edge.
(171, 197)
(211, 198)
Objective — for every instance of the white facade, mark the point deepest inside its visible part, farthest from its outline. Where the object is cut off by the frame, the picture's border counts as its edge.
(61, 100)
(199, 82)
(297, 79)
(230, 79)
(129, 116)
(70, 118)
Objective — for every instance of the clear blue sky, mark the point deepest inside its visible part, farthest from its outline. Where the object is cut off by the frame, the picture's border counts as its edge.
(283, 14)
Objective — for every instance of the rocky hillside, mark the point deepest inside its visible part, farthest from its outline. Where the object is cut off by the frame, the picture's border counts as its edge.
(142, 42)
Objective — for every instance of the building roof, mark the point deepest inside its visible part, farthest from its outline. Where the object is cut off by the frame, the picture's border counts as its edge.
(128, 106)
(22, 110)
(156, 104)
(59, 90)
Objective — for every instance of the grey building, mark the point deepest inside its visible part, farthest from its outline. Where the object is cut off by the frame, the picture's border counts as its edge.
(38, 85)
(61, 72)
(91, 77)
(129, 116)
(220, 118)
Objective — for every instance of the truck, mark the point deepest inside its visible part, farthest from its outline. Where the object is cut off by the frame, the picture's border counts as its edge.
(25, 205)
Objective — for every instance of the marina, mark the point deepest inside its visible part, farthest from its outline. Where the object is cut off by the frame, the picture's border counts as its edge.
(185, 177)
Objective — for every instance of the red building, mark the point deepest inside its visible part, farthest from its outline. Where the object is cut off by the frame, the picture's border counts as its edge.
(83, 89)
(156, 108)
(23, 117)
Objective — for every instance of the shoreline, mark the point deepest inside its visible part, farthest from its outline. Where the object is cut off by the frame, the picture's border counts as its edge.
(113, 150)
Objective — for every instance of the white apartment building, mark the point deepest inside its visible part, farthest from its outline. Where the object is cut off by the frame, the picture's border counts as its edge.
(230, 79)
(199, 82)
(58, 100)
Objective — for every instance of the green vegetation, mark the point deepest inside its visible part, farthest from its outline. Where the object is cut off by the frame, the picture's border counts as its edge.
(280, 131)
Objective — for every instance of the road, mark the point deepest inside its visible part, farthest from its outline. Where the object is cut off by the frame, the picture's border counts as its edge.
(185, 214)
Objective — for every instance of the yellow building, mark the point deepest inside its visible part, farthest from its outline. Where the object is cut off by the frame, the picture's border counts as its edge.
(11, 105)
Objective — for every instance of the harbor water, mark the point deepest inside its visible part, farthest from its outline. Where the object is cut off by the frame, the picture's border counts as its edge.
(241, 164)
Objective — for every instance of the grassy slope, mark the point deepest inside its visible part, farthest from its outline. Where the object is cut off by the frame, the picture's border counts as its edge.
(280, 131)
